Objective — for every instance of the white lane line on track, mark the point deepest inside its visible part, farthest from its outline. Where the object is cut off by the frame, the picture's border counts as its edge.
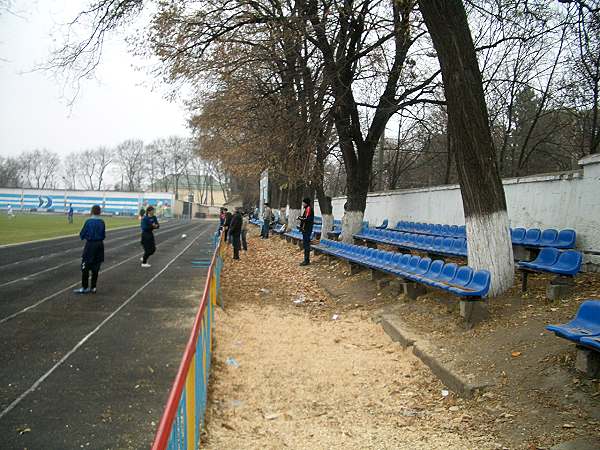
(41, 379)
(51, 296)
(118, 238)
(35, 274)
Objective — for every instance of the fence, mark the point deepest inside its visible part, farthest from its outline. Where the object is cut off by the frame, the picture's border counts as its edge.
(181, 424)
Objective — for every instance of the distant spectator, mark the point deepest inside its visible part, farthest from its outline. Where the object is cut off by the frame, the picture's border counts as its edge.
(235, 230)
(94, 233)
(228, 217)
(10, 212)
(221, 218)
(70, 213)
(245, 223)
(149, 224)
(256, 212)
(306, 226)
(267, 214)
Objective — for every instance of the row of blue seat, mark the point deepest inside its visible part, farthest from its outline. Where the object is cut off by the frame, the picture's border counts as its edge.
(433, 244)
(584, 329)
(430, 228)
(552, 260)
(462, 281)
(533, 237)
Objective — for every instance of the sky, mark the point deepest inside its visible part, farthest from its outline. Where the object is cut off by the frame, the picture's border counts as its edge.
(121, 103)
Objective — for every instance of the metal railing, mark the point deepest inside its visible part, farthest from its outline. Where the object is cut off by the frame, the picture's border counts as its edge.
(183, 418)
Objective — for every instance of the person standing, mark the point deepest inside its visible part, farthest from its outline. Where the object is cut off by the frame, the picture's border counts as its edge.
(149, 224)
(267, 213)
(235, 230)
(245, 223)
(9, 211)
(228, 217)
(70, 213)
(94, 233)
(306, 226)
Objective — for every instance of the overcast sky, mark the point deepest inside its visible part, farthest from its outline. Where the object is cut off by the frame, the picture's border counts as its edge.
(118, 105)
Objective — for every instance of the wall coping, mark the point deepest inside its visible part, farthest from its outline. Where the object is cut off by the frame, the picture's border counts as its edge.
(538, 178)
(590, 159)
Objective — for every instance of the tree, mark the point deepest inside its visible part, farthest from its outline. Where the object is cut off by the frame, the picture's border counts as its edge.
(129, 156)
(10, 172)
(471, 143)
(71, 170)
(93, 166)
(40, 168)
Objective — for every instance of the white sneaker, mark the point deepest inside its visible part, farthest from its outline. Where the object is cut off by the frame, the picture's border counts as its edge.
(146, 265)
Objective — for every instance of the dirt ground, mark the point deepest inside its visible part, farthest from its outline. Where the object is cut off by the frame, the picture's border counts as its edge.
(311, 368)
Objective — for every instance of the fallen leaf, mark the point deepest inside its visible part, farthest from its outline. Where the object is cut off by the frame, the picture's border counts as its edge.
(515, 354)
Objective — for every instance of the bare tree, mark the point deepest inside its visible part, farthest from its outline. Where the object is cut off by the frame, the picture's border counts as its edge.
(40, 168)
(10, 172)
(129, 155)
(71, 170)
(94, 164)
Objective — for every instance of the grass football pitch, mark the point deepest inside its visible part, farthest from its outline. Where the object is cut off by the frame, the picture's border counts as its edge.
(32, 227)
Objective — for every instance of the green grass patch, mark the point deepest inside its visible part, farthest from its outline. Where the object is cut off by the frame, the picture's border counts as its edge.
(32, 227)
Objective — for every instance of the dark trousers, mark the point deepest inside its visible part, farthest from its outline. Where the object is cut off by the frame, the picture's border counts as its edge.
(235, 240)
(85, 274)
(244, 242)
(226, 231)
(148, 244)
(265, 229)
(306, 245)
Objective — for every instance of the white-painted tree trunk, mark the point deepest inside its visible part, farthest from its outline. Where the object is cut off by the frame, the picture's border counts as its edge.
(351, 224)
(490, 248)
(282, 215)
(293, 221)
(327, 225)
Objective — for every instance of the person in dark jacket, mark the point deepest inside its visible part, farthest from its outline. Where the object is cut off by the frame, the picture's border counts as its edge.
(306, 226)
(93, 232)
(149, 224)
(228, 217)
(70, 213)
(235, 230)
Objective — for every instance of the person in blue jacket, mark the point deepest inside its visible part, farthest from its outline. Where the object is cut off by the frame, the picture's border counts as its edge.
(149, 224)
(70, 213)
(93, 232)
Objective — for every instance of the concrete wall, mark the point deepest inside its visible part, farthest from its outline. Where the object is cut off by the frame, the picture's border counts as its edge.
(559, 200)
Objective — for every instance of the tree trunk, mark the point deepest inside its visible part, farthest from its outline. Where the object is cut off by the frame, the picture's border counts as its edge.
(358, 186)
(283, 198)
(471, 142)
(295, 203)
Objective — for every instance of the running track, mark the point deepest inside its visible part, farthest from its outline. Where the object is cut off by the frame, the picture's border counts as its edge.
(94, 371)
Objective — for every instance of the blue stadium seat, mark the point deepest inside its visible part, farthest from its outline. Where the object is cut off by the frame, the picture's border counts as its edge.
(446, 230)
(423, 266)
(413, 263)
(437, 243)
(462, 230)
(546, 258)
(585, 324)
(548, 237)
(447, 244)
(383, 225)
(435, 270)
(405, 261)
(518, 235)
(428, 244)
(532, 237)
(454, 231)
(478, 286)
(457, 246)
(569, 263)
(566, 239)
(437, 229)
(447, 275)
(463, 276)
(591, 342)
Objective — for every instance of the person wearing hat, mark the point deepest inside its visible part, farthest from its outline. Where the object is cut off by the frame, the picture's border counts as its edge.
(306, 226)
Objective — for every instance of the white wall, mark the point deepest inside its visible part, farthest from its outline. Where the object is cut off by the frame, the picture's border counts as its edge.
(560, 200)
